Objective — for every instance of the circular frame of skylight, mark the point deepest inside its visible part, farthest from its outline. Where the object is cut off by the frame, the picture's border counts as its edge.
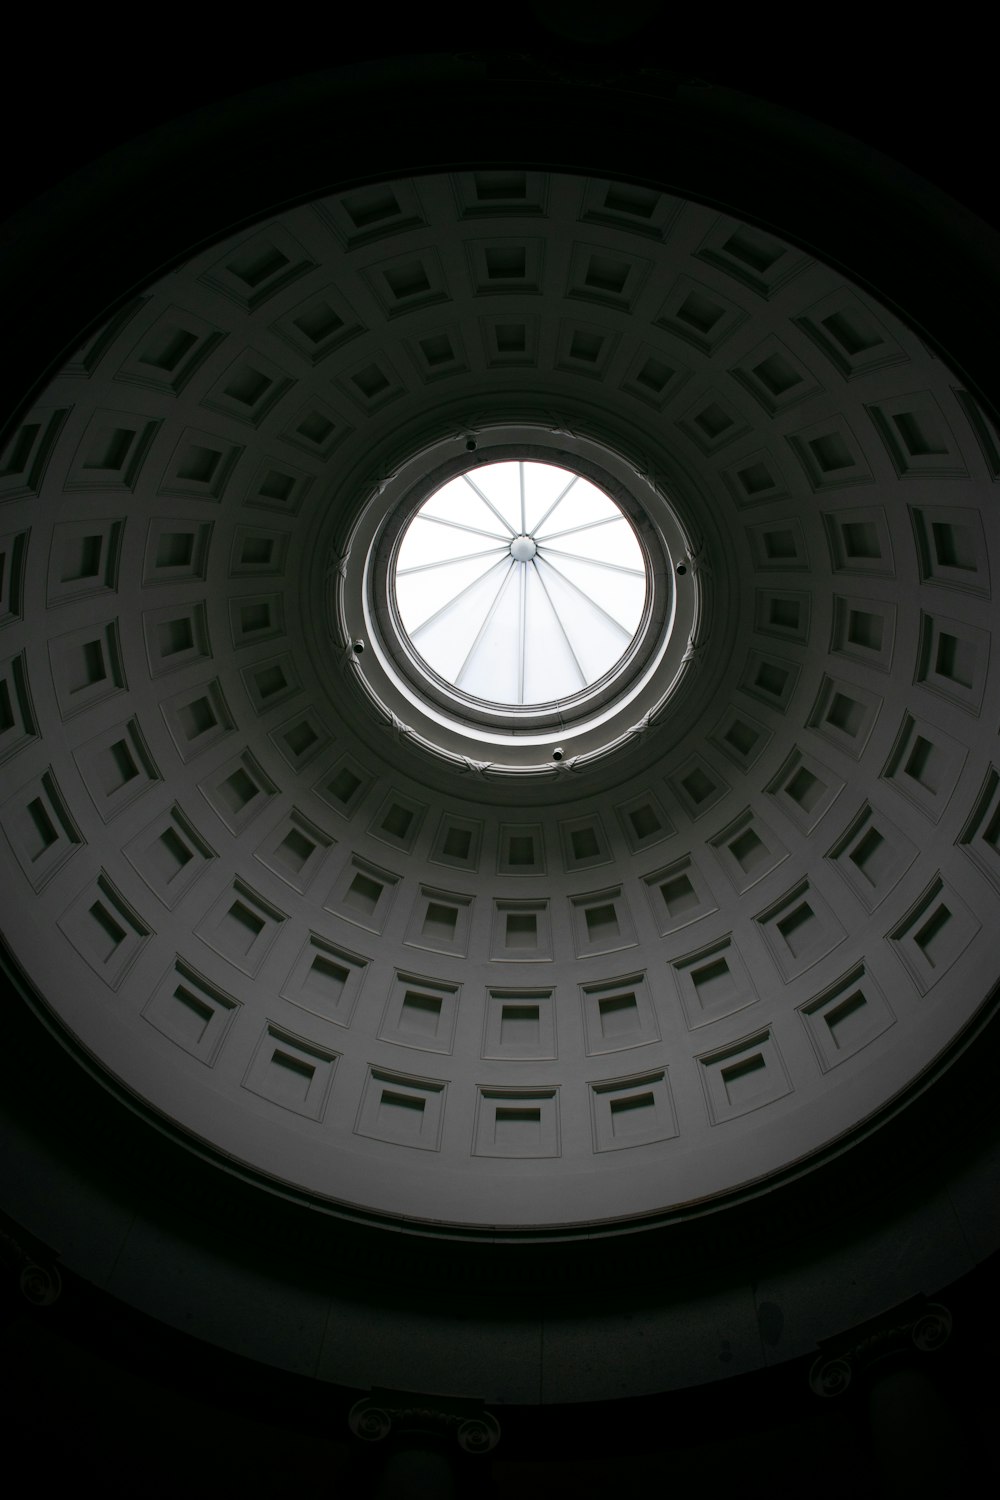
(637, 644)
(520, 583)
(355, 549)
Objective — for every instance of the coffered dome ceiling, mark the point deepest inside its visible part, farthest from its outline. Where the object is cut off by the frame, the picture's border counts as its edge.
(409, 963)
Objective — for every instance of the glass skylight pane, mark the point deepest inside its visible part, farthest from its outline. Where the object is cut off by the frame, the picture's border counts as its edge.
(611, 543)
(500, 483)
(613, 592)
(551, 671)
(456, 502)
(420, 595)
(445, 639)
(596, 639)
(427, 542)
(512, 615)
(546, 484)
(491, 664)
(583, 504)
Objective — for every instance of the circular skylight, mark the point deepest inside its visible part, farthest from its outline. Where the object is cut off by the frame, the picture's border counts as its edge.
(520, 583)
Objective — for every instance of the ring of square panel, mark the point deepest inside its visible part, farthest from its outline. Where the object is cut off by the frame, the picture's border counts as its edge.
(355, 959)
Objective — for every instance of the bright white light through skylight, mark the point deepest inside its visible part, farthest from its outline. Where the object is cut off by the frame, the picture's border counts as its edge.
(520, 582)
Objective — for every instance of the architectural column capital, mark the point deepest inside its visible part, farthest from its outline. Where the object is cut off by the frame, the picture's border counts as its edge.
(387, 1413)
(38, 1278)
(916, 1325)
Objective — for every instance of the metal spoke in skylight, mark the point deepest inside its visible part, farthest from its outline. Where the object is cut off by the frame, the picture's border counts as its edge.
(545, 611)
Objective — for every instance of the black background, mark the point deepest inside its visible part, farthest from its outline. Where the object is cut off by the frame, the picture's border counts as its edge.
(103, 1394)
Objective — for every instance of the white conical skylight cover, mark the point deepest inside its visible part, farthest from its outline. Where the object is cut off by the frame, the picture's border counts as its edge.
(520, 582)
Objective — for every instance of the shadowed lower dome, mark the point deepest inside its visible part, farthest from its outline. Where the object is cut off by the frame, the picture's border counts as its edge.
(455, 966)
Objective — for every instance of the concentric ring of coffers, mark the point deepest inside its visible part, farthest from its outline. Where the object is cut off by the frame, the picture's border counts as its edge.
(228, 868)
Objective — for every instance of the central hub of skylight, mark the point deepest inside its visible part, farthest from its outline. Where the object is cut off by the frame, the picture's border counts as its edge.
(520, 583)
